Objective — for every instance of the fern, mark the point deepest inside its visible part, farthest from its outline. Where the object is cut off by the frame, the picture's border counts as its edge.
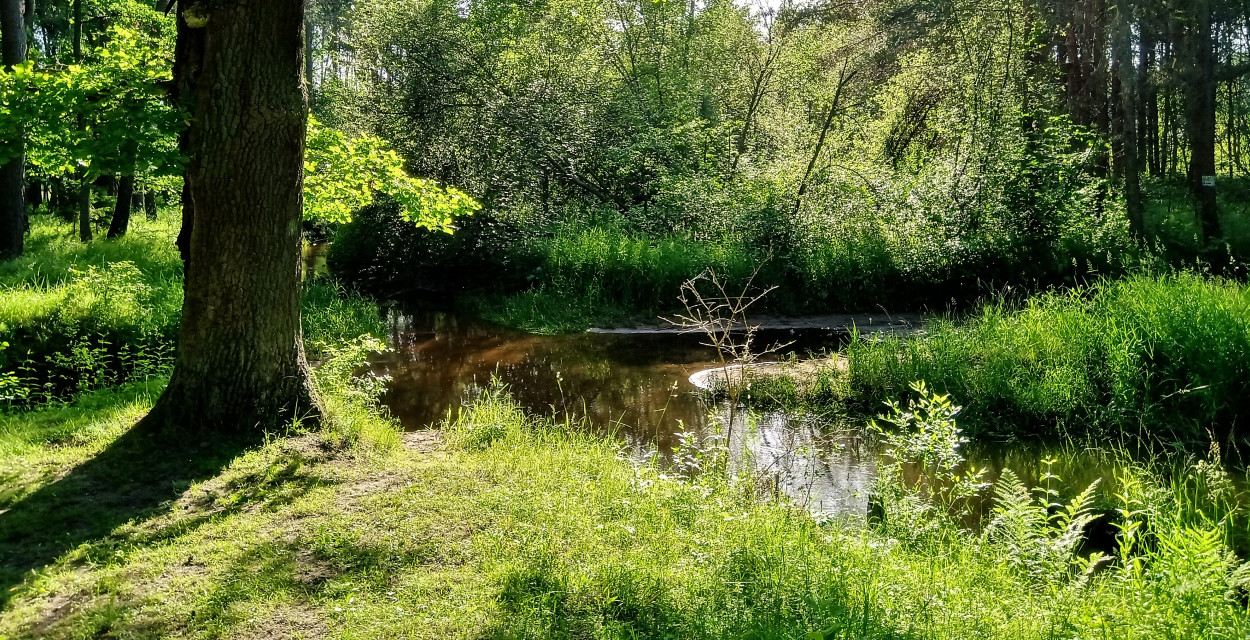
(1039, 536)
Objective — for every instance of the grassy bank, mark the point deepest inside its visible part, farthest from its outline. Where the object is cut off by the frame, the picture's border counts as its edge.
(520, 528)
(1153, 359)
(80, 317)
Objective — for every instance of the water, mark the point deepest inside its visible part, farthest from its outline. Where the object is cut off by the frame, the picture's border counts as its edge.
(635, 387)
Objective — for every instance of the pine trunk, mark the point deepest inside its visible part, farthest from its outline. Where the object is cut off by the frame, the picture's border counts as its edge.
(1128, 162)
(240, 363)
(1200, 115)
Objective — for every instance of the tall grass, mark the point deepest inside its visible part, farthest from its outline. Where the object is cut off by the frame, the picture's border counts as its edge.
(1164, 357)
(593, 546)
(76, 317)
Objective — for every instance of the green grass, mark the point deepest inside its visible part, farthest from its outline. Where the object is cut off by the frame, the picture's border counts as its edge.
(524, 528)
(78, 317)
(1165, 358)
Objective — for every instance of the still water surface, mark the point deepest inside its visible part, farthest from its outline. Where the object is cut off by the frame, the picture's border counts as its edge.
(635, 387)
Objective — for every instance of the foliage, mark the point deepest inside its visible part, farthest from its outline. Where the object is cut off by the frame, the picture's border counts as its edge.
(341, 175)
(539, 533)
(81, 317)
(107, 115)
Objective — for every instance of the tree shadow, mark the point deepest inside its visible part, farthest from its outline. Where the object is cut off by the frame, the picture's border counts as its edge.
(136, 477)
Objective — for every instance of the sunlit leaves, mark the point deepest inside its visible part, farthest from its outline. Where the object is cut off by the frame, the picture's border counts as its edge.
(109, 115)
(343, 174)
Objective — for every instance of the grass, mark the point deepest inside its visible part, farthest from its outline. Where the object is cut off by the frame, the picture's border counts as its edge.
(524, 528)
(1162, 358)
(78, 317)
(1160, 361)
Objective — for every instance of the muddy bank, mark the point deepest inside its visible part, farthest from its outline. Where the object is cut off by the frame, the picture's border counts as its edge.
(834, 322)
(800, 370)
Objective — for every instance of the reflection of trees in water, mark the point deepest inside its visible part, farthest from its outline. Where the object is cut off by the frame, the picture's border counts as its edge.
(827, 470)
(624, 386)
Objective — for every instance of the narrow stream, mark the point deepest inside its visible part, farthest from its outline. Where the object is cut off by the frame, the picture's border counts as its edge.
(636, 387)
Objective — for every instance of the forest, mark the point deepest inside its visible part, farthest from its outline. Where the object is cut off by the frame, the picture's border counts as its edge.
(810, 319)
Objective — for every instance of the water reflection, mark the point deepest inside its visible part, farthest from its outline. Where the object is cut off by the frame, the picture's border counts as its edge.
(636, 387)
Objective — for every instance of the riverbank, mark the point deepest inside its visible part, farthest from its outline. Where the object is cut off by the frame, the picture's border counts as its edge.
(1159, 361)
(508, 526)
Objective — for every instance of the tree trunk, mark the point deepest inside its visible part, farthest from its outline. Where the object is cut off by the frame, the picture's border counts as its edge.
(84, 209)
(1200, 113)
(13, 172)
(34, 193)
(308, 56)
(121, 212)
(1128, 162)
(149, 204)
(240, 363)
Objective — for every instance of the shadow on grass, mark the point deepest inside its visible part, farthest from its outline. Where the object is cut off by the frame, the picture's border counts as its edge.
(136, 477)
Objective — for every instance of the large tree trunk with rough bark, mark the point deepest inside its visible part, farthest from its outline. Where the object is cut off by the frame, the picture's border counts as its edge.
(12, 173)
(240, 363)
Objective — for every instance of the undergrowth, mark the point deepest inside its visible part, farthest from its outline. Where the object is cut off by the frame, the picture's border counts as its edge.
(78, 317)
(1164, 359)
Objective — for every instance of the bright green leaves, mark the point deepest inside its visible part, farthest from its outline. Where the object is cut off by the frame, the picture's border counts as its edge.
(109, 115)
(343, 174)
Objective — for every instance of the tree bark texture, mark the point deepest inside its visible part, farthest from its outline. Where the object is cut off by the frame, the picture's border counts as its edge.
(121, 211)
(240, 363)
(12, 173)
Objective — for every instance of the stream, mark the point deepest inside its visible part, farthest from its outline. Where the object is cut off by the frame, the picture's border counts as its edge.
(635, 387)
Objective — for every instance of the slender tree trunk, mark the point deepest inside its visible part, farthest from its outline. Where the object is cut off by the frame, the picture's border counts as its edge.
(843, 79)
(13, 172)
(34, 193)
(84, 189)
(121, 212)
(1123, 48)
(240, 363)
(149, 204)
(308, 56)
(1200, 114)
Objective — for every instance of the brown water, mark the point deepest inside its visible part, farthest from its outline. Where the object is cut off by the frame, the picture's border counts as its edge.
(635, 387)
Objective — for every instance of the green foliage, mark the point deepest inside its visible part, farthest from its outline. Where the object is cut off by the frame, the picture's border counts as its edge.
(1154, 357)
(80, 317)
(342, 175)
(1039, 536)
(118, 95)
(546, 533)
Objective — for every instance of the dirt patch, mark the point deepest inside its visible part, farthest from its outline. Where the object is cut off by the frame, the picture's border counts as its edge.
(424, 441)
(311, 571)
(286, 621)
(55, 609)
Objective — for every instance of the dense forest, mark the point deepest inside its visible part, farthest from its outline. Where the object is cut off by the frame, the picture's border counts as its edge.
(820, 319)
